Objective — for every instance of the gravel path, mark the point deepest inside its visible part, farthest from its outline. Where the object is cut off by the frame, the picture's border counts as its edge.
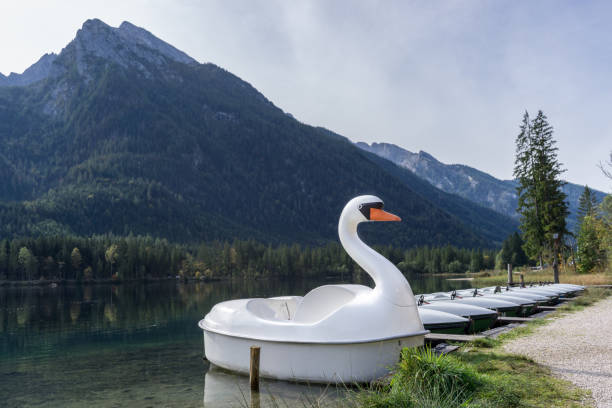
(577, 347)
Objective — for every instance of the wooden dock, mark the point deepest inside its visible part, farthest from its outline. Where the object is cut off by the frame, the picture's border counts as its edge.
(433, 337)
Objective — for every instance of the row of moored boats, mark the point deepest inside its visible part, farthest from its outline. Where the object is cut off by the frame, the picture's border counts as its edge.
(475, 310)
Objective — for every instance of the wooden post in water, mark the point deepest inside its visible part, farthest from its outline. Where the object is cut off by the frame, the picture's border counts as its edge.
(255, 399)
(510, 275)
(254, 369)
(522, 281)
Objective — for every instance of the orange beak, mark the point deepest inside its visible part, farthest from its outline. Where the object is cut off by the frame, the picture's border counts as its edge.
(380, 215)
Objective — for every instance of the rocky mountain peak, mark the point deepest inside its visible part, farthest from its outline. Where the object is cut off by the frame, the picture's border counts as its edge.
(143, 37)
(37, 71)
(93, 25)
(427, 156)
(126, 45)
(392, 152)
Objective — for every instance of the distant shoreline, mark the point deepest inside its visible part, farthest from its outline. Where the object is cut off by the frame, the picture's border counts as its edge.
(65, 282)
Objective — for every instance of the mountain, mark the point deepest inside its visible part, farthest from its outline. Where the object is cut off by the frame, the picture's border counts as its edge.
(42, 69)
(468, 182)
(123, 133)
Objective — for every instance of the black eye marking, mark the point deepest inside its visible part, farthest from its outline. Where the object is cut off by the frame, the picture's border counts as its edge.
(365, 208)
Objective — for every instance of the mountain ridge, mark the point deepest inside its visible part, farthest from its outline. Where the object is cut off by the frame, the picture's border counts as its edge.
(468, 182)
(121, 138)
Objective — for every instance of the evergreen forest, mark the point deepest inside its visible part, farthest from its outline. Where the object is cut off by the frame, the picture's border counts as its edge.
(112, 258)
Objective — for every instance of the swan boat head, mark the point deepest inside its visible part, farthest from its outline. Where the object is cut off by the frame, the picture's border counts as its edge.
(389, 282)
(365, 208)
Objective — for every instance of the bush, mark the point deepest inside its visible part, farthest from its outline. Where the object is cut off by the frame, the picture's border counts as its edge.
(424, 379)
(422, 369)
(456, 267)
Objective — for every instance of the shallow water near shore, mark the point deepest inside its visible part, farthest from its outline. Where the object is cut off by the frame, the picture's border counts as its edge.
(135, 345)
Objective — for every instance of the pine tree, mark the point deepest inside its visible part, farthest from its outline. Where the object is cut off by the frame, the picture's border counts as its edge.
(505, 254)
(476, 262)
(519, 258)
(589, 253)
(587, 205)
(4, 259)
(528, 204)
(541, 201)
(512, 252)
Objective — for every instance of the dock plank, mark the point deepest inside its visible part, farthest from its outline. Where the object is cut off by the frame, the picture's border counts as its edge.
(452, 337)
(444, 348)
(514, 319)
(549, 307)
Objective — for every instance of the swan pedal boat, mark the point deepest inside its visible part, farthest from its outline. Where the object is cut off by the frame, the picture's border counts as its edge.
(551, 294)
(335, 333)
(437, 321)
(565, 289)
(528, 306)
(480, 318)
(537, 299)
(503, 307)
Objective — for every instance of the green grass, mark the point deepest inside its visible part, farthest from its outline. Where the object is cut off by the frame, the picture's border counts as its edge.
(484, 342)
(591, 296)
(514, 381)
(479, 375)
(422, 379)
(474, 377)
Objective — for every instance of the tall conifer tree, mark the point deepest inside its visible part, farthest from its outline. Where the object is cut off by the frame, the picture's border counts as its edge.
(541, 201)
(587, 204)
(589, 253)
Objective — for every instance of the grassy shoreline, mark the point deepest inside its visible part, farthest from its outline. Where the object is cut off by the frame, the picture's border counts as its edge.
(494, 277)
(480, 374)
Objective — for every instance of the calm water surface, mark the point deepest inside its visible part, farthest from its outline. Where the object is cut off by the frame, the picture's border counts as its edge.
(134, 345)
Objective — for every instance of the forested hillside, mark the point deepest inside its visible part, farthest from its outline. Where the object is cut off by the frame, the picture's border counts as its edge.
(121, 133)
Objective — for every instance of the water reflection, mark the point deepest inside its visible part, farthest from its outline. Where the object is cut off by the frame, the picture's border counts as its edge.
(129, 345)
(224, 389)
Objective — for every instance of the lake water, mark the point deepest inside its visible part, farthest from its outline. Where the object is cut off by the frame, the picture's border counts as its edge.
(134, 345)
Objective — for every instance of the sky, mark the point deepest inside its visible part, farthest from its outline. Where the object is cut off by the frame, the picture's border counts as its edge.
(452, 78)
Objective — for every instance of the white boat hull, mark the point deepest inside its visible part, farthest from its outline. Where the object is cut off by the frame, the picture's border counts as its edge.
(310, 362)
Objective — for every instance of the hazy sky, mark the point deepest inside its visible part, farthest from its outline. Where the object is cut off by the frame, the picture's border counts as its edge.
(452, 78)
